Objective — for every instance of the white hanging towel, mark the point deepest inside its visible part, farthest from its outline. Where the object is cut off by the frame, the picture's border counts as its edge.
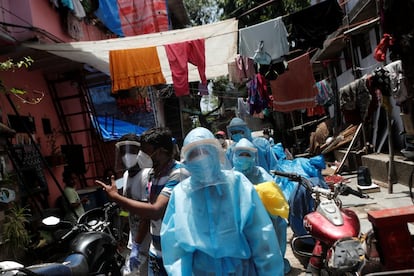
(274, 35)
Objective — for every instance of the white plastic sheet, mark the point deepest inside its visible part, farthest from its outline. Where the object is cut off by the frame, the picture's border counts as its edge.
(221, 48)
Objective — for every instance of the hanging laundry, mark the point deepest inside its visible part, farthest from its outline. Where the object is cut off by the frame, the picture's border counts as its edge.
(380, 52)
(90, 6)
(381, 80)
(67, 3)
(376, 97)
(134, 68)
(133, 17)
(108, 14)
(241, 70)
(78, 9)
(397, 82)
(258, 95)
(143, 16)
(243, 109)
(295, 89)
(325, 93)
(310, 26)
(272, 33)
(273, 70)
(354, 100)
(209, 102)
(261, 56)
(179, 54)
(133, 100)
(317, 110)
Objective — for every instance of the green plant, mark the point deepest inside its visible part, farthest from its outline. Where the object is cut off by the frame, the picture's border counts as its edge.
(11, 65)
(15, 236)
(8, 179)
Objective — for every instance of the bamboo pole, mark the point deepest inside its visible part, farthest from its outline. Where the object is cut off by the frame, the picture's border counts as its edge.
(338, 169)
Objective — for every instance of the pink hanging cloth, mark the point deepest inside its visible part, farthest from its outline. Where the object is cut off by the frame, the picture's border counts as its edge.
(179, 54)
(143, 16)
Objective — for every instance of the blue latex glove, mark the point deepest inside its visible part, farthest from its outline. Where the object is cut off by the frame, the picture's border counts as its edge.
(134, 261)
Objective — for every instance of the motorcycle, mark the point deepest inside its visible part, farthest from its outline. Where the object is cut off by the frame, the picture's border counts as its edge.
(93, 249)
(338, 247)
(108, 219)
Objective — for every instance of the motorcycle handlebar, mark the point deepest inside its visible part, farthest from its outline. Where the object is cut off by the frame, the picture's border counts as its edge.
(290, 176)
(322, 191)
(294, 177)
(70, 233)
(344, 189)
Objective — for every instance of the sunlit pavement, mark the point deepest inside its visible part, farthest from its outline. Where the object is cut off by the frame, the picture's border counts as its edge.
(377, 201)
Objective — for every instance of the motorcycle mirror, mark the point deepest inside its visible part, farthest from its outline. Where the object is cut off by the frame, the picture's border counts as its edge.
(51, 221)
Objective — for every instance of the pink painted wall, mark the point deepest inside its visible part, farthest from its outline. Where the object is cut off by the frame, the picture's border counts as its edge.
(33, 81)
(42, 15)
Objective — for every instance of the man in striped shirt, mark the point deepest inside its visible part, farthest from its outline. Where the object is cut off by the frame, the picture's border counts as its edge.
(165, 174)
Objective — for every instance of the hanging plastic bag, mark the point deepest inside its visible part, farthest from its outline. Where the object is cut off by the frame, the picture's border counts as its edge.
(7, 195)
(261, 56)
(273, 199)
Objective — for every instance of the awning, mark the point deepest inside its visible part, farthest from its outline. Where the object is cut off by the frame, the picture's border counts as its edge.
(335, 42)
(332, 46)
(220, 40)
(362, 27)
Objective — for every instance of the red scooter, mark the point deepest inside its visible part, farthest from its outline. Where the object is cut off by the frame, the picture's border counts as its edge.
(338, 248)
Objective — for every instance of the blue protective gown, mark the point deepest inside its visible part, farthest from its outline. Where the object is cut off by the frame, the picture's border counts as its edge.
(266, 157)
(221, 229)
(257, 175)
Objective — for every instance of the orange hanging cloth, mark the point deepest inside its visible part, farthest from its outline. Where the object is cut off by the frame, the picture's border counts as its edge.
(135, 68)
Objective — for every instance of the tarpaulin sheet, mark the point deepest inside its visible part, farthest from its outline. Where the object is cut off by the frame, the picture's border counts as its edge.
(113, 129)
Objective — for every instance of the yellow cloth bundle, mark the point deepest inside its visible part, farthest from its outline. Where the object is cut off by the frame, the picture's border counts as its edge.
(273, 199)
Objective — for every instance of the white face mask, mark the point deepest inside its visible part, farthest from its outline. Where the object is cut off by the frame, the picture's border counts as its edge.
(144, 160)
(129, 160)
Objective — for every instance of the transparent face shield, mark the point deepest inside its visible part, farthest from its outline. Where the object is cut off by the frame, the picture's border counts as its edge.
(245, 159)
(236, 133)
(204, 160)
(126, 154)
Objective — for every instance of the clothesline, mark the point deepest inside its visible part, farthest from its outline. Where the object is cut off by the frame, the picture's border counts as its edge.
(367, 68)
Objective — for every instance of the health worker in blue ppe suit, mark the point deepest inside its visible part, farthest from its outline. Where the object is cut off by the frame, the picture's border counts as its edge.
(238, 129)
(215, 222)
(245, 161)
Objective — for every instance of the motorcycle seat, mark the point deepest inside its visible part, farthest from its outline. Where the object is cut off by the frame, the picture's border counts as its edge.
(74, 264)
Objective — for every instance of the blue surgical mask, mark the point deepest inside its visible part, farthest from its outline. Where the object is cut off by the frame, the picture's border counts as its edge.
(243, 163)
(237, 137)
(202, 169)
